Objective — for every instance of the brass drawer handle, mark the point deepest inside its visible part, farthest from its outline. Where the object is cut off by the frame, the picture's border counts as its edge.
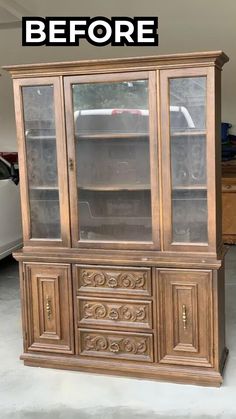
(113, 314)
(112, 282)
(49, 308)
(114, 347)
(184, 316)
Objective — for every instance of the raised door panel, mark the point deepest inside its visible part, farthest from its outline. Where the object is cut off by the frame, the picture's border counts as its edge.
(185, 317)
(49, 308)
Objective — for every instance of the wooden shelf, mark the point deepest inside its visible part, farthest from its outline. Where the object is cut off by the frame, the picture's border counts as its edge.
(112, 135)
(44, 188)
(190, 188)
(188, 133)
(40, 137)
(114, 188)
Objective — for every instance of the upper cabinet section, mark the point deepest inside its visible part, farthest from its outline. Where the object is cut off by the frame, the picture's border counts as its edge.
(121, 154)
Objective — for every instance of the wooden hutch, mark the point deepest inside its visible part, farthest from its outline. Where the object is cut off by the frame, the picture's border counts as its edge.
(122, 266)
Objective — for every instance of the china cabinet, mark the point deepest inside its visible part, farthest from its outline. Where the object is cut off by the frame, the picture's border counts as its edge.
(122, 268)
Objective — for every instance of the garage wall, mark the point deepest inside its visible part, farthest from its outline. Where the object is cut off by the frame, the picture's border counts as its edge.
(184, 26)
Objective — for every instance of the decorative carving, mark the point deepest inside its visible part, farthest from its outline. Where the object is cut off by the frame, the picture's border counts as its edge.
(95, 343)
(115, 312)
(95, 311)
(131, 345)
(127, 280)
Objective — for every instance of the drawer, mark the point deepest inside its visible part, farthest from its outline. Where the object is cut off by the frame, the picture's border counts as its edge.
(113, 280)
(111, 312)
(129, 346)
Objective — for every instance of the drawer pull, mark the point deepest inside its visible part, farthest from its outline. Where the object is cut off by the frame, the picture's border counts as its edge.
(48, 308)
(114, 347)
(114, 314)
(228, 186)
(112, 282)
(184, 316)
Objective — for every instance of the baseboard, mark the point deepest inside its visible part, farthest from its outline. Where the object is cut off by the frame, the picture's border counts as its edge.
(184, 375)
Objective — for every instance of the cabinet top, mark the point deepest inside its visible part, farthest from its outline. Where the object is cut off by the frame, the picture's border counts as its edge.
(196, 59)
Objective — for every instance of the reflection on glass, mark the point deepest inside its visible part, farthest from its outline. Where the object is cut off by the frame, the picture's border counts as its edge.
(188, 159)
(39, 120)
(112, 151)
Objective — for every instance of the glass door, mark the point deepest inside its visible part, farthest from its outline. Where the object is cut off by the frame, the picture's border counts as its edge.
(188, 183)
(111, 131)
(43, 172)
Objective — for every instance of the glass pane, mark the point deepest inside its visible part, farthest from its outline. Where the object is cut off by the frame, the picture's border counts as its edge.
(188, 159)
(39, 119)
(112, 151)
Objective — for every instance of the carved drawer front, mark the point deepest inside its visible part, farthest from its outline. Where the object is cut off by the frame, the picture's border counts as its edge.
(108, 312)
(185, 313)
(49, 308)
(116, 280)
(130, 346)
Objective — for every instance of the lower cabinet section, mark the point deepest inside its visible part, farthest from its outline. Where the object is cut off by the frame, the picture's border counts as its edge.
(49, 308)
(185, 317)
(171, 326)
(130, 346)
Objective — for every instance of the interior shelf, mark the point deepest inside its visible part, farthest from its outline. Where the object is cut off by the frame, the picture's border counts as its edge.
(41, 137)
(113, 188)
(190, 188)
(132, 187)
(188, 133)
(44, 188)
(112, 135)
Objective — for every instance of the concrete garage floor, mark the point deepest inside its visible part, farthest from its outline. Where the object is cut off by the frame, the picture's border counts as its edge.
(38, 393)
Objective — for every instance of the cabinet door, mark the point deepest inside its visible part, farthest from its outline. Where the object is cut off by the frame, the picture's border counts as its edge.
(42, 158)
(189, 157)
(49, 308)
(185, 317)
(112, 146)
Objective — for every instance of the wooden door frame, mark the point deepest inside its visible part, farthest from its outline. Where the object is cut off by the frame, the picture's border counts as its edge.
(153, 150)
(61, 162)
(165, 75)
